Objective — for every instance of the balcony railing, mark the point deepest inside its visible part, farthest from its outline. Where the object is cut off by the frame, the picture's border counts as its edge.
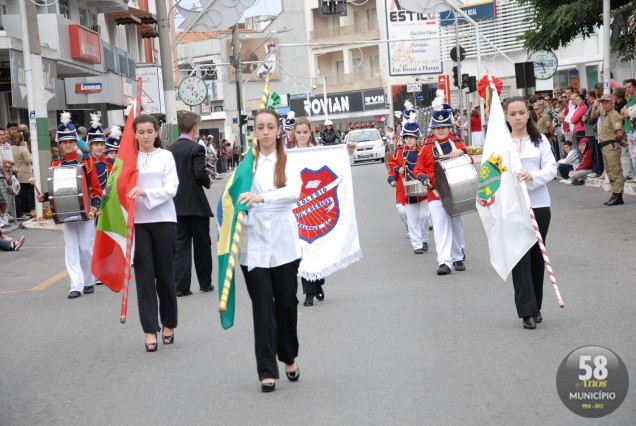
(361, 80)
(117, 60)
(366, 30)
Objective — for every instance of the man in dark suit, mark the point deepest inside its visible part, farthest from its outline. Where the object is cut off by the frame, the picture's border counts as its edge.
(193, 209)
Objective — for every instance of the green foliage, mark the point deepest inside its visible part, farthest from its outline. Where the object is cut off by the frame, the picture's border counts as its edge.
(557, 23)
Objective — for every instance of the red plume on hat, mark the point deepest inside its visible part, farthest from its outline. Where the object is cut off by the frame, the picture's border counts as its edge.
(483, 84)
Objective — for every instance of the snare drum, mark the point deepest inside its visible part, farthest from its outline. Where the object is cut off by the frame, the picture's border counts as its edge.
(414, 188)
(69, 194)
(456, 181)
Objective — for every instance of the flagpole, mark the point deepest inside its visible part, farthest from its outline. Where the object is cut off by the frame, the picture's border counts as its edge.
(229, 272)
(544, 253)
(130, 230)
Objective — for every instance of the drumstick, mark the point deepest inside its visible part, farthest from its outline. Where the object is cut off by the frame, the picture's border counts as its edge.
(32, 182)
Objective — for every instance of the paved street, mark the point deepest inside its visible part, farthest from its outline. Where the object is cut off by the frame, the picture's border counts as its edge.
(392, 343)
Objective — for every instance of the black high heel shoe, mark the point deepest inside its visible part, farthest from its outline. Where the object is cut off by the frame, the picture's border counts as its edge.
(167, 340)
(320, 294)
(151, 347)
(293, 376)
(309, 299)
(268, 387)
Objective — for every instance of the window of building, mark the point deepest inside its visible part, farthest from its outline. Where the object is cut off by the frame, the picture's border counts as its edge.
(340, 67)
(372, 15)
(3, 12)
(375, 66)
(65, 8)
(591, 71)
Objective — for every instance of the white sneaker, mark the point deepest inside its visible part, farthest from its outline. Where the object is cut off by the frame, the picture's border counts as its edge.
(563, 181)
(568, 182)
(592, 175)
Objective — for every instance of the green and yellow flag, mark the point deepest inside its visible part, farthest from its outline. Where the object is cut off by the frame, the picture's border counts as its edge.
(230, 223)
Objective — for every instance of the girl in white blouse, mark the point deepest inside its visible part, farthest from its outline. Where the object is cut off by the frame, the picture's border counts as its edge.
(538, 168)
(155, 233)
(270, 253)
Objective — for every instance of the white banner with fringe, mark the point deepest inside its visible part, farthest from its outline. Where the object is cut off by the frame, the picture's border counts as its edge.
(325, 211)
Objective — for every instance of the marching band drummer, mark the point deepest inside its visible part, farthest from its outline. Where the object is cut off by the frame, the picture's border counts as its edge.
(449, 231)
(96, 139)
(79, 237)
(112, 144)
(401, 168)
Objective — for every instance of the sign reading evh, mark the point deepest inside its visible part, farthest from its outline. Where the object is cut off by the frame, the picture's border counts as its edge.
(418, 51)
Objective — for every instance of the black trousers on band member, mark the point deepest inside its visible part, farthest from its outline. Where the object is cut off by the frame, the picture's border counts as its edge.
(311, 287)
(528, 273)
(193, 230)
(275, 312)
(154, 276)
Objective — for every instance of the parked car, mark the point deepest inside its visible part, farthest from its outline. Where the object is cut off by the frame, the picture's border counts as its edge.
(369, 145)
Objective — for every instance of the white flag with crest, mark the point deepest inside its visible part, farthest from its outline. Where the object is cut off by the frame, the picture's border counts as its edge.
(502, 201)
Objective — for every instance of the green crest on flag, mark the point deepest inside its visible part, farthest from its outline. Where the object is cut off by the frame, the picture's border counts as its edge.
(490, 177)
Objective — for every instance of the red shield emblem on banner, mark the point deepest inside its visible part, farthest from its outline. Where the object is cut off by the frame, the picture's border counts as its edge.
(317, 210)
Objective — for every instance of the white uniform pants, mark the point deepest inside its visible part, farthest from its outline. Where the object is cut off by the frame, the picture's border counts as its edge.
(401, 213)
(449, 234)
(417, 220)
(79, 238)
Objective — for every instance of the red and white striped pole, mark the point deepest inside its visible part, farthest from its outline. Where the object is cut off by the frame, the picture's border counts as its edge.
(546, 260)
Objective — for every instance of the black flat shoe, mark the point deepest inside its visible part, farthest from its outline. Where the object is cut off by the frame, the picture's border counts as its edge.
(418, 251)
(459, 265)
(528, 322)
(207, 289)
(89, 289)
(74, 294)
(184, 293)
(425, 247)
(320, 294)
(538, 318)
(293, 376)
(443, 269)
(309, 300)
(268, 387)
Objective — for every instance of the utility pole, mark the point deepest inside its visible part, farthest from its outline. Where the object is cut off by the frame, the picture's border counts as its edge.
(166, 67)
(236, 47)
(606, 48)
(459, 71)
(38, 119)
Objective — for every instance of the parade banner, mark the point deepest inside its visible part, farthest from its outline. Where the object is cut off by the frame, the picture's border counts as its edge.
(501, 201)
(325, 211)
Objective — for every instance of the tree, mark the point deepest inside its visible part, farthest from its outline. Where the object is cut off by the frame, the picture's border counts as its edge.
(557, 23)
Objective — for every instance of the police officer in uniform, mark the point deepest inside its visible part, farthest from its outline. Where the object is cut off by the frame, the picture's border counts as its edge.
(610, 136)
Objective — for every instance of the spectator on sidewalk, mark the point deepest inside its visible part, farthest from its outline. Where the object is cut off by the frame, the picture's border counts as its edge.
(25, 200)
(81, 140)
(628, 157)
(8, 244)
(569, 163)
(577, 176)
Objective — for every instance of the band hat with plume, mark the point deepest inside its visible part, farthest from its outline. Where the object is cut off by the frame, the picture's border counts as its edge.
(290, 122)
(96, 131)
(409, 115)
(442, 113)
(112, 143)
(66, 130)
(411, 129)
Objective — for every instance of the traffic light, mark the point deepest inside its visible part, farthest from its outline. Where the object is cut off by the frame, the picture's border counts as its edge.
(472, 84)
(465, 79)
(243, 119)
(455, 77)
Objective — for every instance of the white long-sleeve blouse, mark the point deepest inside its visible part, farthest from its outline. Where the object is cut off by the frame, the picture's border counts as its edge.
(540, 162)
(270, 231)
(158, 177)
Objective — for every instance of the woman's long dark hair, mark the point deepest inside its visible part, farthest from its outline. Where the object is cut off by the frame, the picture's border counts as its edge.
(145, 118)
(280, 179)
(531, 128)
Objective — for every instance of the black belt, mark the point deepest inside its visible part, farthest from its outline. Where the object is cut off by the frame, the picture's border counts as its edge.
(604, 144)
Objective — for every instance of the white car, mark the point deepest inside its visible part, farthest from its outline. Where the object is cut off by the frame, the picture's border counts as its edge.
(369, 145)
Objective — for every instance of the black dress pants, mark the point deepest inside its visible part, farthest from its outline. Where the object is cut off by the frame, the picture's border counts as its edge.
(193, 230)
(275, 312)
(154, 276)
(25, 200)
(311, 287)
(528, 273)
